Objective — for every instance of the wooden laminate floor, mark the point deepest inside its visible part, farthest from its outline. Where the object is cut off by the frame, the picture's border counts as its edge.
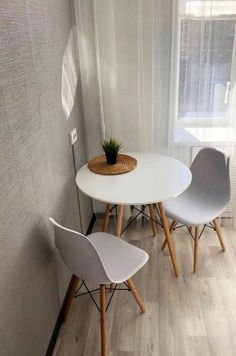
(190, 315)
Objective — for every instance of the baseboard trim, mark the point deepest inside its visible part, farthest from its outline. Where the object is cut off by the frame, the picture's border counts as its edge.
(60, 317)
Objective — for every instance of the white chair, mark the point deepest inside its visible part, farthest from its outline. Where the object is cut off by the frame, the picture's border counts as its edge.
(103, 259)
(205, 199)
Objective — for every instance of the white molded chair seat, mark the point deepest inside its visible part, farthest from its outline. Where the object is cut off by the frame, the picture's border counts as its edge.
(100, 257)
(121, 260)
(209, 192)
(193, 209)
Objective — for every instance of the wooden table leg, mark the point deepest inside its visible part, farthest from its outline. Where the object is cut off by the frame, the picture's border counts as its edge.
(168, 238)
(195, 259)
(74, 282)
(106, 218)
(118, 229)
(103, 319)
(119, 220)
(152, 216)
(170, 229)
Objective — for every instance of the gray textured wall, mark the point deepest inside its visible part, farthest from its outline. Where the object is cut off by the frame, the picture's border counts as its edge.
(36, 171)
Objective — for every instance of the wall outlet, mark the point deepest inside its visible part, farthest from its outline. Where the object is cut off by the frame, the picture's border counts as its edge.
(73, 136)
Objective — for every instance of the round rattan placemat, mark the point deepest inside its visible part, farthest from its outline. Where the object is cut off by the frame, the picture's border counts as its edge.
(124, 164)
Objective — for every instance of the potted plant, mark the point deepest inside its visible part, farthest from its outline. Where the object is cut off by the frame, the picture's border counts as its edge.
(111, 148)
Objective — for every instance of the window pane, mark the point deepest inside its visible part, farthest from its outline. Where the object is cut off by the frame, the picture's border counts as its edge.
(206, 48)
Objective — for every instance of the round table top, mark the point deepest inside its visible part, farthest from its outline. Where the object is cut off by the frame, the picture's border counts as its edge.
(155, 179)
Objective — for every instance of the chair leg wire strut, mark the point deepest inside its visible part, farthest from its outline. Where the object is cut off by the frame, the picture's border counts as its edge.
(175, 227)
(139, 212)
(90, 292)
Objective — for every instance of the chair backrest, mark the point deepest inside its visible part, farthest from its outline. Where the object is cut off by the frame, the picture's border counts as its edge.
(210, 171)
(79, 254)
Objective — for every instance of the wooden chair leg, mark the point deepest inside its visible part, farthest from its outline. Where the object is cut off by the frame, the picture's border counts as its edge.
(136, 295)
(74, 282)
(106, 218)
(218, 231)
(196, 240)
(171, 229)
(103, 319)
(119, 220)
(168, 238)
(152, 216)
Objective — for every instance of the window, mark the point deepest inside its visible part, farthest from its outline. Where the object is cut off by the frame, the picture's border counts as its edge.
(204, 60)
(206, 48)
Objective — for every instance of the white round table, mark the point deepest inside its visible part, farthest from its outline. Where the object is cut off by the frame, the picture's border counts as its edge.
(155, 179)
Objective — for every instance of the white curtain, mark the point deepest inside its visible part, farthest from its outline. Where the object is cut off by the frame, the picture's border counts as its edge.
(133, 61)
(140, 86)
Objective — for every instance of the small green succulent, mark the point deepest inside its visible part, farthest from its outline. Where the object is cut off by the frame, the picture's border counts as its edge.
(111, 148)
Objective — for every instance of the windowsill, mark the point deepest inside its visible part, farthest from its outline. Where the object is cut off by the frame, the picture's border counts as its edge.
(204, 136)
